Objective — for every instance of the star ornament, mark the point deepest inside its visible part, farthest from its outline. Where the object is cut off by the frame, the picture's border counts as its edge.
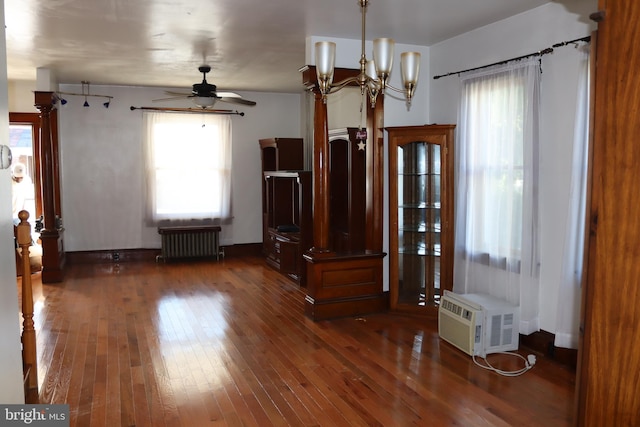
(361, 145)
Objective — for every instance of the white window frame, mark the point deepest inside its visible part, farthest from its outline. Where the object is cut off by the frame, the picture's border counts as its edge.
(188, 167)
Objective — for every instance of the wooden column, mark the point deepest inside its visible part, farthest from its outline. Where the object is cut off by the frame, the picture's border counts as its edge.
(375, 175)
(321, 189)
(345, 284)
(51, 234)
(609, 353)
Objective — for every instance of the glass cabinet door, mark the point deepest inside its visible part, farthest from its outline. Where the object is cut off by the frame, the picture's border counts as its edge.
(418, 223)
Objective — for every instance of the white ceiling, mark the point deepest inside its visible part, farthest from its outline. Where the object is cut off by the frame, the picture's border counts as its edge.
(254, 45)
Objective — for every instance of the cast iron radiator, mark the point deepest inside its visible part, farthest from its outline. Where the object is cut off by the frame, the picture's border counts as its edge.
(189, 242)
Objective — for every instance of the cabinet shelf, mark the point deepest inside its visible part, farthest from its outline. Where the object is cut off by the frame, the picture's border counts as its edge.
(422, 205)
(420, 252)
(421, 228)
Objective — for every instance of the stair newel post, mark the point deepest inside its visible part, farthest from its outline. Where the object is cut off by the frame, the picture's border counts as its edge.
(29, 354)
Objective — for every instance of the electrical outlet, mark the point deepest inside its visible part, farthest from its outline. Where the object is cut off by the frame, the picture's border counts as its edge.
(115, 256)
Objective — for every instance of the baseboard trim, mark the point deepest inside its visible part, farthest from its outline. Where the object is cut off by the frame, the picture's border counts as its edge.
(542, 342)
(149, 255)
(112, 256)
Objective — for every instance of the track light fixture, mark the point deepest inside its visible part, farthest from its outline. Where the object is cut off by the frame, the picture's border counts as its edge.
(86, 93)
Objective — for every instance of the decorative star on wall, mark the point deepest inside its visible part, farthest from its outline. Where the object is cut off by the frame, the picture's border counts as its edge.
(361, 145)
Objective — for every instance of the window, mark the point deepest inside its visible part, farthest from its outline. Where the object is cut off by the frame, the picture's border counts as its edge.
(188, 161)
(498, 164)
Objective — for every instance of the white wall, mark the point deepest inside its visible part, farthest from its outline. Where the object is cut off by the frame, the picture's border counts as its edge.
(102, 174)
(11, 390)
(520, 35)
(21, 96)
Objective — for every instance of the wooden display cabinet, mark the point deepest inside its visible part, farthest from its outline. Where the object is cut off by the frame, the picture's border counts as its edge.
(286, 206)
(420, 216)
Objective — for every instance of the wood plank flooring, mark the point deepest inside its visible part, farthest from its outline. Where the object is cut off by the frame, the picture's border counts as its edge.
(227, 344)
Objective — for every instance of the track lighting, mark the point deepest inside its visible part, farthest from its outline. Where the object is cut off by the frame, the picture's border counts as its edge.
(86, 93)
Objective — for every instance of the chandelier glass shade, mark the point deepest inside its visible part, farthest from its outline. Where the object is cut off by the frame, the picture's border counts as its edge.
(374, 74)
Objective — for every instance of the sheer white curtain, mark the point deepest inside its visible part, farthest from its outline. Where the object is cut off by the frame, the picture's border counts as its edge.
(188, 166)
(569, 292)
(497, 187)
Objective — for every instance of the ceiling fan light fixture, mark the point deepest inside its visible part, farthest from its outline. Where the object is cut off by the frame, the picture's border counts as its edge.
(204, 101)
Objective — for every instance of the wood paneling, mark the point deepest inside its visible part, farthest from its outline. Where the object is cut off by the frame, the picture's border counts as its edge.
(227, 344)
(610, 355)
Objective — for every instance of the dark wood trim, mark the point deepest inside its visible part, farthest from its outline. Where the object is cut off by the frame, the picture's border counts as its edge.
(112, 256)
(149, 255)
(32, 119)
(243, 249)
(542, 342)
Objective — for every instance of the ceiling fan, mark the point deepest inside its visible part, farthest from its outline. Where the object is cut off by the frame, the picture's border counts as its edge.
(205, 94)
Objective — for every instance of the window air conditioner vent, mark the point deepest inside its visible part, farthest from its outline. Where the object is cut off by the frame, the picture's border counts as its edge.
(478, 324)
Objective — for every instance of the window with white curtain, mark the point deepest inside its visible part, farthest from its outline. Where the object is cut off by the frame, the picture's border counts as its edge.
(188, 166)
(498, 165)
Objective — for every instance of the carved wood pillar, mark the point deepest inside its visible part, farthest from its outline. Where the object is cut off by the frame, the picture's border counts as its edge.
(51, 234)
(321, 192)
(375, 175)
(349, 283)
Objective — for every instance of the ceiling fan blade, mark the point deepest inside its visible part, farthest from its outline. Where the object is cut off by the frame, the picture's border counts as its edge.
(235, 100)
(228, 95)
(169, 92)
(172, 98)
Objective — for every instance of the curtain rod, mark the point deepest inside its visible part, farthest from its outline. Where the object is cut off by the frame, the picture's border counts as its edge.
(188, 110)
(539, 53)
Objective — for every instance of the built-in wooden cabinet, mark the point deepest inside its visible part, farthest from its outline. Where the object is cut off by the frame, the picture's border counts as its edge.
(286, 206)
(347, 190)
(420, 216)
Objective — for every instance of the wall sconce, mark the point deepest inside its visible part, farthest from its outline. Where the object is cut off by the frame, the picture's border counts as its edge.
(86, 92)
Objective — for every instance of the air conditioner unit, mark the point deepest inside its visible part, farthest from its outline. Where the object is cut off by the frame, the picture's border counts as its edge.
(478, 324)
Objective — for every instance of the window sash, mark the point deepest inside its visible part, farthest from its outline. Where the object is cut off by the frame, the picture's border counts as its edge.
(188, 166)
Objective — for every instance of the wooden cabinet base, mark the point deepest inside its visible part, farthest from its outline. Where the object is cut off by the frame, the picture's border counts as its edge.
(341, 285)
(53, 256)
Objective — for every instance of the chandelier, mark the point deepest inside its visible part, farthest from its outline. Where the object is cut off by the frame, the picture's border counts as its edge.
(374, 74)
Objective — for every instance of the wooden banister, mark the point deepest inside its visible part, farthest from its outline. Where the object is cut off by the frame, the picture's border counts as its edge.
(29, 354)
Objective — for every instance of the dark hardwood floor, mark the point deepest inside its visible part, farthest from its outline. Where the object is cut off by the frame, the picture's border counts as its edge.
(227, 344)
